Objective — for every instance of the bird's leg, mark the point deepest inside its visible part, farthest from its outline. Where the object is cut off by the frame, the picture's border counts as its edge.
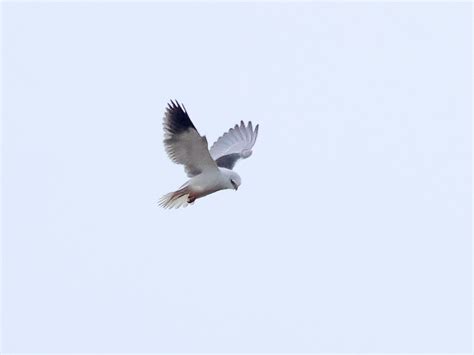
(191, 198)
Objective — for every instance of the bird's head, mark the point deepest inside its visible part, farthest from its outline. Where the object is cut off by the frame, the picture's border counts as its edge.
(235, 182)
(232, 179)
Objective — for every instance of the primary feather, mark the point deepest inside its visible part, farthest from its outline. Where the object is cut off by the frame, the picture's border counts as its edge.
(233, 145)
(183, 143)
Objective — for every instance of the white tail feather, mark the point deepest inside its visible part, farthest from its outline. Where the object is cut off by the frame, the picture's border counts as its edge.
(175, 199)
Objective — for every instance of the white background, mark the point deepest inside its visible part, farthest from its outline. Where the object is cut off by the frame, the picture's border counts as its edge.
(350, 232)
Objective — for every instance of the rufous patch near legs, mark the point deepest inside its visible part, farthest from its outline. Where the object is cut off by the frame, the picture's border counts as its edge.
(191, 198)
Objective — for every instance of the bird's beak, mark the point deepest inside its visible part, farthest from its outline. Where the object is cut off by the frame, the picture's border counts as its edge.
(236, 187)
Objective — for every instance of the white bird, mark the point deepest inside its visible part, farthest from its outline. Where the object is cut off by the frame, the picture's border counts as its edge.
(209, 170)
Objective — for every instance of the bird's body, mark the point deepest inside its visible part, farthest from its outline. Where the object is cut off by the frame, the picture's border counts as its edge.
(209, 171)
(209, 182)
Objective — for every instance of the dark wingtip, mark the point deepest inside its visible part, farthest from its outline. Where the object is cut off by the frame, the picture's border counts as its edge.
(176, 118)
(174, 104)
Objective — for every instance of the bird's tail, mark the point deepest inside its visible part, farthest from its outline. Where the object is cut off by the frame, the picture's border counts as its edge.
(176, 199)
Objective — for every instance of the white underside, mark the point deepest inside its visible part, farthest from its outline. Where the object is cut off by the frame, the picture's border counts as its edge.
(201, 185)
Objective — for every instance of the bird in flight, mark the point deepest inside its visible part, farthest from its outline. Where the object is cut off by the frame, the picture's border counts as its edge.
(209, 170)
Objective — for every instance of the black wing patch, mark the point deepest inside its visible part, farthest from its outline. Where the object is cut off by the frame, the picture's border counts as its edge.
(228, 161)
(182, 141)
(176, 119)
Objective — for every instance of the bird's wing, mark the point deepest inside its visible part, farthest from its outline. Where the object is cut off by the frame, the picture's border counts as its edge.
(235, 144)
(183, 143)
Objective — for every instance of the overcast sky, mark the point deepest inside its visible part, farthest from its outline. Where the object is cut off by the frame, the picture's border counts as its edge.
(351, 231)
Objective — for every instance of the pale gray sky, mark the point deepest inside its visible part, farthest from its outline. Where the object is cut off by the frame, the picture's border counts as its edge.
(351, 231)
